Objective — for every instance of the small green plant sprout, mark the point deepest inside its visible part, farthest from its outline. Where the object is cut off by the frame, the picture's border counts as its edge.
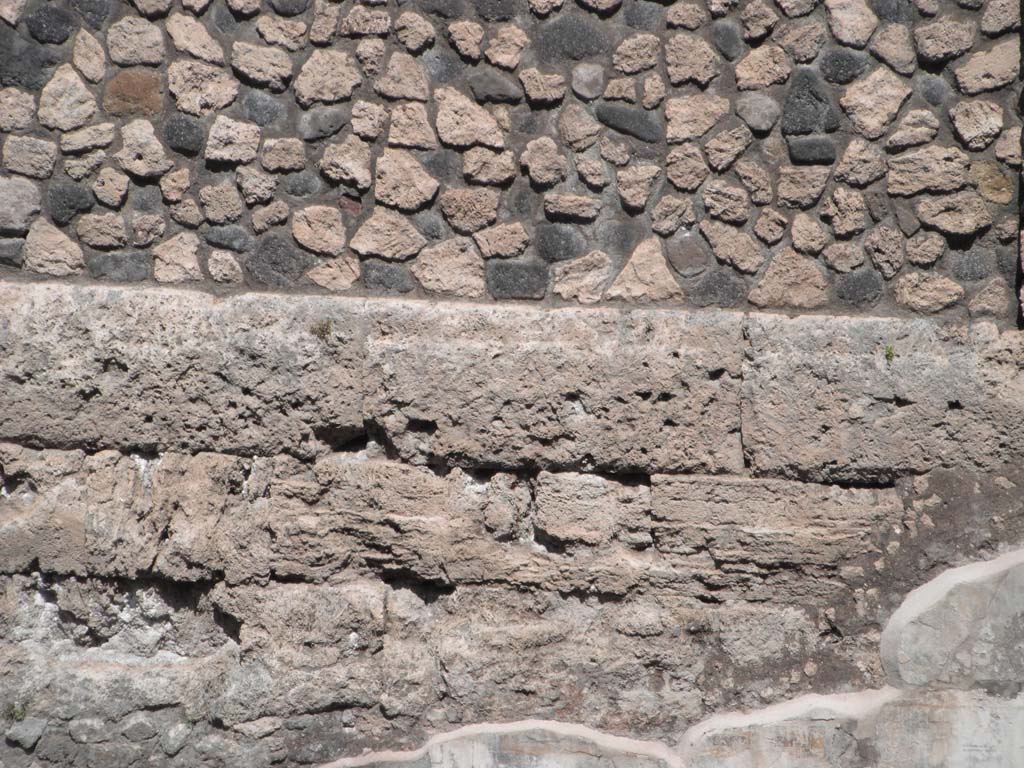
(15, 711)
(321, 329)
(890, 354)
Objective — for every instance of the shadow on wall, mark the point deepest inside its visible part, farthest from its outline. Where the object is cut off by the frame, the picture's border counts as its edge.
(952, 653)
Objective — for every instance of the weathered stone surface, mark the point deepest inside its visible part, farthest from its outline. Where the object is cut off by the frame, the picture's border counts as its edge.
(232, 141)
(989, 70)
(851, 21)
(199, 88)
(463, 124)
(583, 279)
(50, 251)
(800, 387)
(962, 213)
(931, 169)
(976, 123)
(402, 182)
(692, 116)
(65, 102)
(452, 267)
(145, 398)
(133, 41)
(134, 92)
(791, 280)
(645, 276)
(873, 101)
(269, 67)
(141, 152)
(536, 423)
(388, 235)
(690, 60)
(327, 76)
(320, 229)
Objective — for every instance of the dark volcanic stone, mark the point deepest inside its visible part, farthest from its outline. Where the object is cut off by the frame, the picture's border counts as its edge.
(644, 15)
(571, 36)
(812, 150)
(231, 236)
(631, 121)
(879, 204)
(11, 251)
(728, 38)
(146, 198)
(862, 286)
(65, 200)
(301, 184)
(497, 10)
(808, 107)
(95, 12)
(892, 10)
(719, 289)
(124, 266)
(445, 9)
(489, 85)
(184, 134)
(277, 262)
(442, 65)
(24, 62)
(289, 7)
(264, 109)
(972, 265)
(387, 277)
(517, 279)
(321, 122)
(934, 89)
(841, 65)
(558, 242)
(50, 24)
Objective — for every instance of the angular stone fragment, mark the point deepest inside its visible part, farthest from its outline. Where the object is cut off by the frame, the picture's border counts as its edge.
(884, 245)
(791, 280)
(727, 146)
(506, 46)
(929, 169)
(894, 45)
(189, 36)
(925, 248)
(102, 230)
(320, 229)
(919, 126)
(802, 39)
(671, 213)
(452, 267)
(976, 123)
(503, 241)
(348, 162)
(874, 101)
(944, 39)
(403, 78)
(543, 162)
(465, 37)
(801, 186)
(690, 60)
(232, 141)
(690, 117)
(141, 152)
(49, 251)
(327, 76)
(88, 57)
(410, 127)
(808, 107)
(637, 53)
(462, 124)
(645, 276)
(770, 226)
(764, 66)
(726, 201)
(542, 89)
(807, 234)
(402, 182)
(387, 235)
(135, 92)
(757, 181)
(991, 183)
(861, 164)
(635, 184)
(989, 70)
(176, 259)
(29, 156)
(199, 88)
(280, 155)
(851, 21)
(582, 279)
(847, 212)
(65, 103)
(361, 21)
(1000, 16)
(962, 213)
(469, 210)
(268, 67)
(414, 32)
(927, 292)
(733, 246)
(133, 41)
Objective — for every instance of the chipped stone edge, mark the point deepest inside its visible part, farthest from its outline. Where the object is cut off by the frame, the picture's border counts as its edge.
(653, 749)
(928, 595)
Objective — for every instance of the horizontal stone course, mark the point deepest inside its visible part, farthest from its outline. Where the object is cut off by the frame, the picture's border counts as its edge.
(646, 391)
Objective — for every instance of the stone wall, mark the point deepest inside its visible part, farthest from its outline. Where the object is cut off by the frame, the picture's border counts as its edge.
(278, 530)
(423, 384)
(847, 156)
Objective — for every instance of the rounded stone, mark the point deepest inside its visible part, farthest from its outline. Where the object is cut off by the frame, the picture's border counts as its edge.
(719, 288)
(321, 122)
(386, 277)
(65, 200)
(841, 65)
(574, 36)
(644, 15)
(934, 89)
(289, 7)
(302, 184)
(122, 266)
(184, 134)
(688, 255)
(262, 108)
(277, 262)
(231, 236)
(862, 286)
(50, 24)
(758, 111)
(558, 242)
(94, 12)
(517, 278)
(728, 38)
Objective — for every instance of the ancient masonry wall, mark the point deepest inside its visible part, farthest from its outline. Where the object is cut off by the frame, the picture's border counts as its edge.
(601, 384)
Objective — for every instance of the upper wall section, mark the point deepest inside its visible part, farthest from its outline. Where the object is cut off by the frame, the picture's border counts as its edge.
(839, 157)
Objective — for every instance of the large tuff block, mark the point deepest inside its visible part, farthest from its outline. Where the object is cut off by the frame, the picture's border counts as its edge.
(627, 392)
(866, 400)
(150, 370)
